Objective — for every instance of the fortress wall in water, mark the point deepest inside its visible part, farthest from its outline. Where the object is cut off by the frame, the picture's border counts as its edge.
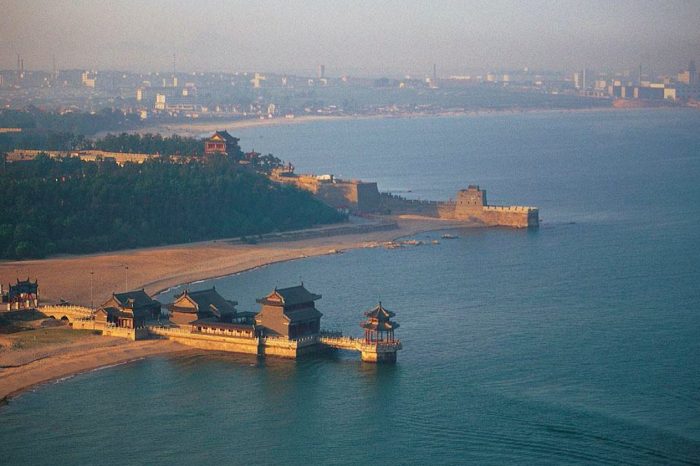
(470, 206)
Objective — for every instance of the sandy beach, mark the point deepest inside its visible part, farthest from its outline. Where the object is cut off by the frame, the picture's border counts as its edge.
(154, 269)
(158, 268)
(21, 369)
(195, 128)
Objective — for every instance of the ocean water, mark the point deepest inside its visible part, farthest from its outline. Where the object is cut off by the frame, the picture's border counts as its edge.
(576, 343)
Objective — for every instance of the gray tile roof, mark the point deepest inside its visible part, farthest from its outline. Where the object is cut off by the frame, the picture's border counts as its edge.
(292, 296)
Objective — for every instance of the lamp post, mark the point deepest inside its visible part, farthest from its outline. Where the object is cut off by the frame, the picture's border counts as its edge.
(92, 302)
(126, 277)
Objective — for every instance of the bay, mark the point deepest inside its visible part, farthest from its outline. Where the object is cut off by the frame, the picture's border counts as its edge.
(574, 343)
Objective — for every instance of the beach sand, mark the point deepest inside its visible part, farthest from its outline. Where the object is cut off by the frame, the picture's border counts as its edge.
(154, 269)
(195, 128)
(158, 268)
(21, 369)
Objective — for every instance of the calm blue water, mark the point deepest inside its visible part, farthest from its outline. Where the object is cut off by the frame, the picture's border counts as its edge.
(577, 343)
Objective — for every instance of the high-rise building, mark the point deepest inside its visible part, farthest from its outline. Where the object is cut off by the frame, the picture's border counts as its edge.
(689, 76)
(434, 80)
(693, 73)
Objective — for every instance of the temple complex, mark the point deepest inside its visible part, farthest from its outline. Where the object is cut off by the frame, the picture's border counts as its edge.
(288, 325)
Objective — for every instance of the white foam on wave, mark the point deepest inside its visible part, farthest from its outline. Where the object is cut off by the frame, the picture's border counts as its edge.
(121, 363)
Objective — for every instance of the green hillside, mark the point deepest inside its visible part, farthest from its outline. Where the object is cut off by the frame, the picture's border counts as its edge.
(70, 206)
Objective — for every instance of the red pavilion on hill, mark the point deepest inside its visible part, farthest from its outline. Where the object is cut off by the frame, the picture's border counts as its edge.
(222, 143)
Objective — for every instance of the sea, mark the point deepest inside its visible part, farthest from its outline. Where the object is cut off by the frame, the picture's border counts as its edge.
(574, 343)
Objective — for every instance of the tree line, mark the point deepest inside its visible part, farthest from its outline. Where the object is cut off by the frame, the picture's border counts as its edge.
(52, 206)
(33, 118)
(123, 142)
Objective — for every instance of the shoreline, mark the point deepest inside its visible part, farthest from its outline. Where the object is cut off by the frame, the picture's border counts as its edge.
(93, 352)
(157, 268)
(451, 224)
(196, 128)
(71, 360)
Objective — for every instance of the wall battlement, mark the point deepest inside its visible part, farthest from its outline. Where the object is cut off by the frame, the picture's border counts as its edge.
(358, 196)
(507, 208)
(470, 205)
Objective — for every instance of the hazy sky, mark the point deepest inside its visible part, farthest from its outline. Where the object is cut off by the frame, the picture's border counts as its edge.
(354, 37)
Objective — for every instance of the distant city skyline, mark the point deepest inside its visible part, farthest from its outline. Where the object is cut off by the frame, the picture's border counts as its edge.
(364, 38)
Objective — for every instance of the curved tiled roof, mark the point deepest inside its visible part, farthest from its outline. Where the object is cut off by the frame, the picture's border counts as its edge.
(207, 301)
(289, 296)
(379, 319)
(135, 299)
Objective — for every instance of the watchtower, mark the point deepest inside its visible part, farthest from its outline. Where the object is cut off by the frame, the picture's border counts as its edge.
(472, 198)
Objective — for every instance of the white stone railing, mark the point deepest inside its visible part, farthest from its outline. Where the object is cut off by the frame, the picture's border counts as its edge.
(72, 309)
(162, 330)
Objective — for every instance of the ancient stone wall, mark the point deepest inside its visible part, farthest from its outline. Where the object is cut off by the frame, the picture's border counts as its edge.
(469, 206)
(267, 346)
(353, 195)
(367, 197)
(110, 330)
(392, 204)
(120, 158)
(207, 341)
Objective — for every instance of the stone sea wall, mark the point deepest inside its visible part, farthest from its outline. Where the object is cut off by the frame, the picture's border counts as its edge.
(469, 206)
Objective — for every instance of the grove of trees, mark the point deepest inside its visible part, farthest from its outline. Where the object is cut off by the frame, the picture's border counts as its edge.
(50, 206)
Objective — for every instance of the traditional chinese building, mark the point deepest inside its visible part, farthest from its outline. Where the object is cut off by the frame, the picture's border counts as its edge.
(289, 312)
(190, 306)
(222, 143)
(379, 328)
(379, 344)
(22, 295)
(128, 310)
